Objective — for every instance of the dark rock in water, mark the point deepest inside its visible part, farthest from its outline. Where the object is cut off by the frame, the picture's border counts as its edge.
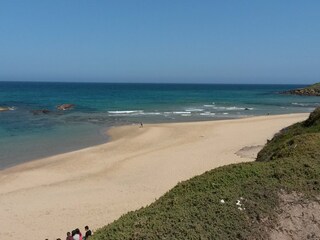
(246, 109)
(65, 106)
(41, 111)
(313, 90)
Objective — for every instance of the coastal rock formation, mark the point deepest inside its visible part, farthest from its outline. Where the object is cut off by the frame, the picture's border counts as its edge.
(313, 90)
(40, 111)
(2, 109)
(66, 106)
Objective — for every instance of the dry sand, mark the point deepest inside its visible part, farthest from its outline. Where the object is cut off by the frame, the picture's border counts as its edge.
(94, 186)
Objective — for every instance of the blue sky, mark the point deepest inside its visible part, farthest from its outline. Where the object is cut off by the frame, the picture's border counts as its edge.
(240, 41)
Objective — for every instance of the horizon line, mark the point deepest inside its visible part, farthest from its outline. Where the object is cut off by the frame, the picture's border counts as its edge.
(177, 83)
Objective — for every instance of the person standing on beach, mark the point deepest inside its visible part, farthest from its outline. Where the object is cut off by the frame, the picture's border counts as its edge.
(141, 125)
(88, 233)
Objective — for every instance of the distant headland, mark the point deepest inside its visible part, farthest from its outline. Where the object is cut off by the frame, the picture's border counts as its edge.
(313, 90)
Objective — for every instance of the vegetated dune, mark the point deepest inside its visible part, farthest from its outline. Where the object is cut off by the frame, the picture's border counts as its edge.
(276, 197)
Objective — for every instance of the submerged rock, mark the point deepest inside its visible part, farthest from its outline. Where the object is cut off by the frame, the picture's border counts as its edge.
(66, 106)
(40, 111)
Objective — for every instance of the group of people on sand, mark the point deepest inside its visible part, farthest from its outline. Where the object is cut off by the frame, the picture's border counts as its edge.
(77, 235)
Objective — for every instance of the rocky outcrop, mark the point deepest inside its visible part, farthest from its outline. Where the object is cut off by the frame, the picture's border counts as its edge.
(66, 106)
(40, 111)
(2, 109)
(303, 92)
(313, 90)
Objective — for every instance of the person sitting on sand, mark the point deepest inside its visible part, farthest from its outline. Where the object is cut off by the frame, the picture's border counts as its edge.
(88, 233)
(69, 237)
(76, 234)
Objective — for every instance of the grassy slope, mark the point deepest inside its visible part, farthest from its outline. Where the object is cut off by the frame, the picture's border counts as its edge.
(315, 86)
(299, 140)
(192, 209)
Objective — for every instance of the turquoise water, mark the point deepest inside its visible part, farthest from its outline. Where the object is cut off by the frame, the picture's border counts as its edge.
(25, 136)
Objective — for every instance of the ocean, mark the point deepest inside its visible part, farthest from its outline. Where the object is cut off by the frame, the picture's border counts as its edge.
(25, 135)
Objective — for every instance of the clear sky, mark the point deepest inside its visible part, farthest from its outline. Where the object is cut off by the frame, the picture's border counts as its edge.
(240, 41)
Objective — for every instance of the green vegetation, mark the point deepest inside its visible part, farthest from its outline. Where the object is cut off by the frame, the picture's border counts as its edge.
(300, 140)
(314, 86)
(193, 209)
(313, 90)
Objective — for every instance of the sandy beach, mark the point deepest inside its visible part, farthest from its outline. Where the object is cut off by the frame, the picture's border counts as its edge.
(95, 186)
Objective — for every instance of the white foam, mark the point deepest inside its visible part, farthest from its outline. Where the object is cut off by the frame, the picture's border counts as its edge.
(150, 113)
(209, 105)
(238, 108)
(207, 114)
(233, 108)
(125, 112)
(195, 110)
(186, 112)
(299, 104)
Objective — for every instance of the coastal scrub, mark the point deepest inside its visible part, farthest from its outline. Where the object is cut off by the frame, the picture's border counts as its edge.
(239, 201)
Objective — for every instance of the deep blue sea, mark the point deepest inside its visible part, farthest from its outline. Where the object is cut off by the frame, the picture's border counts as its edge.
(25, 136)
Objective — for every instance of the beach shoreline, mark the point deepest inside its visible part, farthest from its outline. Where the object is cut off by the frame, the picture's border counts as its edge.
(94, 186)
(105, 134)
